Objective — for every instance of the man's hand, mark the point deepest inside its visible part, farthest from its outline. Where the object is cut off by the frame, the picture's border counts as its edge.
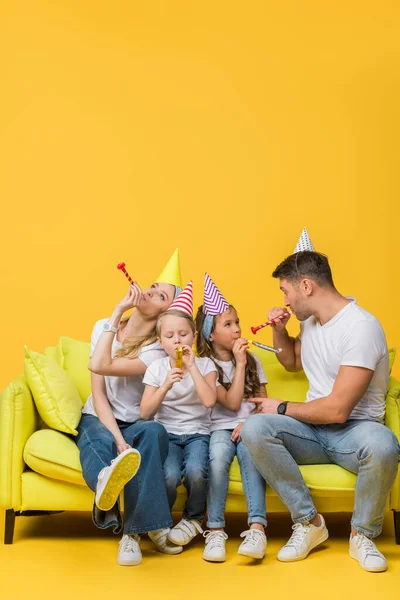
(266, 405)
(281, 323)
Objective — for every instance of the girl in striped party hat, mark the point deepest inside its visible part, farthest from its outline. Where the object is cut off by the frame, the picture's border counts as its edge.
(240, 378)
(180, 398)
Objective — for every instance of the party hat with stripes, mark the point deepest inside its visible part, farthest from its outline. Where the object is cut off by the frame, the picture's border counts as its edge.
(214, 303)
(184, 301)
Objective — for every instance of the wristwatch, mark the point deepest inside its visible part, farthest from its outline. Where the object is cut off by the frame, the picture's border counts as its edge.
(281, 410)
(108, 327)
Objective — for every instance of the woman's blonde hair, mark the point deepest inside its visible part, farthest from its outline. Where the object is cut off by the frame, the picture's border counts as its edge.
(204, 348)
(131, 345)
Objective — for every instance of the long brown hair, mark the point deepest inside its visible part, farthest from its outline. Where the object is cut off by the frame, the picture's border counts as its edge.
(204, 348)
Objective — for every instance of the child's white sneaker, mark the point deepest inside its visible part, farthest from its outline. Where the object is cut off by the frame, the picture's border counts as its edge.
(129, 551)
(254, 543)
(111, 480)
(364, 550)
(184, 532)
(305, 537)
(214, 550)
(159, 537)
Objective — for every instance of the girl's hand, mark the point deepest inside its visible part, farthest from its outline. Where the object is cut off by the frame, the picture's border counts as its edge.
(174, 375)
(131, 299)
(187, 357)
(122, 446)
(239, 351)
(235, 437)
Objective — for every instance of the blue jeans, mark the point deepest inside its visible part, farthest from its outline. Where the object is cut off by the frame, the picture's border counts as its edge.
(278, 444)
(188, 460)
(145, 497)
(222, 452)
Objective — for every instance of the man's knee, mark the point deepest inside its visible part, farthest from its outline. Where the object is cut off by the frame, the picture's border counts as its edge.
(257, 427)
(384, 449)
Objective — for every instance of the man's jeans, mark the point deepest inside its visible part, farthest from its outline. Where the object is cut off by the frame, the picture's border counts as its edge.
(145, 497)
(278, 443)
(188, 460)
(222, 452)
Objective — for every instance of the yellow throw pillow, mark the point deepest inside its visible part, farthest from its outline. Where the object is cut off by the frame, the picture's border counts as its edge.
(55, 396)
(392, 356)
(75, 360)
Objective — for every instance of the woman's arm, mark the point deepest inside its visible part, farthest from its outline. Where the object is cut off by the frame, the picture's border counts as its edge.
(104, 412)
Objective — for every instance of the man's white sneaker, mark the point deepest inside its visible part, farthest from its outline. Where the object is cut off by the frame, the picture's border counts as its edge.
(129, 551)
(304, 538)
(364, 550)
(159, 537)
(254, 543)
(184, 532)
(214, 550)
(112, 479)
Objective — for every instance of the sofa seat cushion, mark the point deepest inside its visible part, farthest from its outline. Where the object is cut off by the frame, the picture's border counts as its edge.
(317, 477)
(54, 454)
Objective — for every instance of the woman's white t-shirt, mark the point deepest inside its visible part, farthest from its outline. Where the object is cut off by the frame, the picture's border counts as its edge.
(124, 393)
(221, 417)
(181, 411)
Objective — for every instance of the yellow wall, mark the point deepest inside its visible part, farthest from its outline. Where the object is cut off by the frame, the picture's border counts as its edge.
(129, 128)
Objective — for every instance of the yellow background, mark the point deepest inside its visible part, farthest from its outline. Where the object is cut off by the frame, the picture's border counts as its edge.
(129, 128)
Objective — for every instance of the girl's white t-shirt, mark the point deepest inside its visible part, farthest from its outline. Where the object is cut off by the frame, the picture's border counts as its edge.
(124, 393)
(181, 411)
(221, 417)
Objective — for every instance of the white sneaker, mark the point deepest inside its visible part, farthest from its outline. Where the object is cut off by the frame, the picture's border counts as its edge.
(214, 550)
(112, 479)
(129, 551)
(184, 532)
(304, 538)
(364, 550)
(159, 537)
(254, 543)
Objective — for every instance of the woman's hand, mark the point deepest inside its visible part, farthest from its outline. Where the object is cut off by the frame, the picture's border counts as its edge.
(174, 375)
(122, 446)
(187, 357)
(239, 351)
(131, 299)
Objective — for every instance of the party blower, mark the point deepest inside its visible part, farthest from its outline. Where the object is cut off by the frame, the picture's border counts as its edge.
(264, 347)
(121, 267)
(280, 318)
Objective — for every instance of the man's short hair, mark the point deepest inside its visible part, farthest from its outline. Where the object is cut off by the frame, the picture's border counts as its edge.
(305, 265)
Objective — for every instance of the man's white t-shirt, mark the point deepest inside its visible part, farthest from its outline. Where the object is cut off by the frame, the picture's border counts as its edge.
(124, 393)
(181, 411)
(353, 338)
(221, 417)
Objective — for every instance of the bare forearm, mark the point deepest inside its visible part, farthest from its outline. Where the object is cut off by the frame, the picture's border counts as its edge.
(102, 355)
(317, 412)
(234, 396)
(207, 394)
(106, 416)
(287, 357)
(149, 406)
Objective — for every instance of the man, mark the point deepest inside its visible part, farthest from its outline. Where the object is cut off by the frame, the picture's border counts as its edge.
(343, 351)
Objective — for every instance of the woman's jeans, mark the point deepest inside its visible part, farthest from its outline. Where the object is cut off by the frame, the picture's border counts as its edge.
(222, 452)
(145, 498)
(277, 444)
(188, 461)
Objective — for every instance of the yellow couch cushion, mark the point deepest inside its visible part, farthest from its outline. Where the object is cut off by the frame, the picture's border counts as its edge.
(54, 455)
(55, 396)
(281, 384)
(75, 360)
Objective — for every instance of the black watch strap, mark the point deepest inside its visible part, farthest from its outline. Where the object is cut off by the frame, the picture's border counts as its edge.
(281, 410)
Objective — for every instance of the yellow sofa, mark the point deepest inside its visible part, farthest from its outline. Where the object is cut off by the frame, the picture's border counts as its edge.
(40, 470)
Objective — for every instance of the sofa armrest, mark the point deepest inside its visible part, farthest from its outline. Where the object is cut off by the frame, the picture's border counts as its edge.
(393, 422)
(18, 420)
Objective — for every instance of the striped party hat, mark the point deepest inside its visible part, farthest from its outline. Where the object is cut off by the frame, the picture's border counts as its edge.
(214, 303)
(304, 243)
(184, 301)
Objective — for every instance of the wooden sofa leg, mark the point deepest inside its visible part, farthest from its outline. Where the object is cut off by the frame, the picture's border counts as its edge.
(9, 526)
(396, 515)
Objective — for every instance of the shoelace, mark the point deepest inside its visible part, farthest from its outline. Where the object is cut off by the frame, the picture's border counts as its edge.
(367, 545)
(215, 539)
(300, 531)
(189, 527)
(252, 536)
(129, 544)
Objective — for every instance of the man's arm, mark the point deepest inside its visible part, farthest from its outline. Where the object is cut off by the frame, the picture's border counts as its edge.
(350, 386)
(290, 357)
